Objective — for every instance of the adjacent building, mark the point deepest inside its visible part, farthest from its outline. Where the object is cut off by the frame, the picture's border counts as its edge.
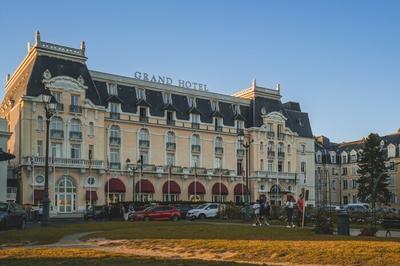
(118, 138)
(336, 166)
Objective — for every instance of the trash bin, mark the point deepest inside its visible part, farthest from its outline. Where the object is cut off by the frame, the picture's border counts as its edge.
(343, 223)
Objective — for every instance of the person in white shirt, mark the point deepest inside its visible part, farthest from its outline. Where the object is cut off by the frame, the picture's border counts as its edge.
(256, 209)
(289, 211)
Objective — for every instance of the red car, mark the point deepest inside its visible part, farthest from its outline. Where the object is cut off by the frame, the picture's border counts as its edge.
(158, 213)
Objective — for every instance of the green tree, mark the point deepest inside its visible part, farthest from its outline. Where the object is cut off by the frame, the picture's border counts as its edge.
(373, 181)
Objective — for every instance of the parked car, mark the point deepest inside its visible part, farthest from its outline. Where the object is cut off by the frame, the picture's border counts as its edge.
(97, 212)
(203, 211)
(158, 213)
(356, 207)
(12, 215)
(183, 209)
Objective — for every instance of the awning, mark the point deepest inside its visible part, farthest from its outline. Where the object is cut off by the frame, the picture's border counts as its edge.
(91, 195)
(173, 187)
(199, 188)
(115, 185)
(240, 189)
(38, 194)
(145, 186)
(215, 189)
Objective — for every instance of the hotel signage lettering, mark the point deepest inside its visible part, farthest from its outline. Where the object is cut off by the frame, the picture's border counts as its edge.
(169, 81)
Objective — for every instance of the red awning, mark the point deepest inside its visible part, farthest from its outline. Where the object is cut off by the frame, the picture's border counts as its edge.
(215, 189)
(173, 187)
(91, 195)
(145, 186)
(115, 185)
(38, 194)
(199, 188)
(240, 189)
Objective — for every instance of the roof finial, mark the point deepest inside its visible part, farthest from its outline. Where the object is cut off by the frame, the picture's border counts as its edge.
(8, 77)
(28, 46)
(278, 87)
(254, 83)
(37, 37)
(83, 47)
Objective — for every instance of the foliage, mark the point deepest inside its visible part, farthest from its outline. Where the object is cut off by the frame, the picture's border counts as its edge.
(373, 181)
(232, 212)
(368, 231)
(323, 223)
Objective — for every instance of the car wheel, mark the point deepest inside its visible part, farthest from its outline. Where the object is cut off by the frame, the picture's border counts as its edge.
(22, 224)
(202, 216)
(175, 218)
(146, 219)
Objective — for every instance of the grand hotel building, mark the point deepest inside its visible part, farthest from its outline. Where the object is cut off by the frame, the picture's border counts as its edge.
(190, 141)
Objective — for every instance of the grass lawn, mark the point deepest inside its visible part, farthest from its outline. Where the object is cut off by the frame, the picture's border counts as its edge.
(186, 242)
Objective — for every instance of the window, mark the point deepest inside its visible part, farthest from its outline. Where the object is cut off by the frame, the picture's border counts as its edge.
(144, 156)
(261, 146)
(270, 127)
(239, 124)
(280, 147)
(144, 134)
(39, 148)
(280, 166)
(141, 94)
(288, 149)
(218, 162)
(319, 160)
(56, 150)
(195, 118)
(195, 160)
(239, 167)
(114, 155)
(261, 165)
(91, 152)
(289, 167)
(270, 146)
(344, 158)
(345, 185)
(218, 124)
(56, 123)
(333, 158)
(39, 123)
(195, 139)
(143, 114)
(218, 142)
(91, 129)
(112, 89)
(303, 167)
(170, 158)
(114, 107)
(91, 181)
(270, 166)
(75, 151)
(214, 105)
(114, 131)
(167, 98)
(236, 109)
(333, 171)
(354, 184)
(170, 118)
(170, 137)
(75, 100)
(333, 185)
(303, 148)
(75, 125)
(353, 171)
(344, 171)
(345, 200)
(57, 96)
(191, 101)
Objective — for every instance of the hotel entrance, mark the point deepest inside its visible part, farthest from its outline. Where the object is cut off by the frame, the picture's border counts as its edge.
(65, 195)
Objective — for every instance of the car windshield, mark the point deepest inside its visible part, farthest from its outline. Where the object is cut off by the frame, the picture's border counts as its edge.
(202, 206)
(149, 208)
(3, 207)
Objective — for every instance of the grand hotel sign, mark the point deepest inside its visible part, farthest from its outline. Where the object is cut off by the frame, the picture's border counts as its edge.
(169, 81)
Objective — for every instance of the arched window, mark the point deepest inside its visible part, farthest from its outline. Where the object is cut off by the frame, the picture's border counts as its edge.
(39, 123)
(261, 146)
(144, 134)
(56, 123)
(196, 140)
(114, 131)
(75, 125)
(218, 142)
(91, 129)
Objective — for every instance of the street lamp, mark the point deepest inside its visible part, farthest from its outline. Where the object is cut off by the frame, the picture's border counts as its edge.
(131, 172)
(50, 109)
(246, 146)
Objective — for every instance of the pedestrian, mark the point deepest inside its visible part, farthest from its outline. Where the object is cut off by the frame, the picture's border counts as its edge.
(300, 208)
(256, 210)
(289, 211)
(263, 210)
(267, 210)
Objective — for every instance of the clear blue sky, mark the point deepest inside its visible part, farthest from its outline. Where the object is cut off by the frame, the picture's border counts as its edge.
(339, 59)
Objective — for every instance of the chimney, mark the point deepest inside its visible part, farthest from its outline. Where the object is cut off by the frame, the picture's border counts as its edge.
(37, 37)
(83, 47)
(278, 88)
(254, 84)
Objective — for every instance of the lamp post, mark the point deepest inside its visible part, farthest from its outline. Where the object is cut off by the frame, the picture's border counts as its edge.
(131, 173)
(246, 146)
(50, 109)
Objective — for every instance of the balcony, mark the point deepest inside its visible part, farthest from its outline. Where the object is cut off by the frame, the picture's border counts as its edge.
(281, 136)
(64, 162)
(240, 152)
(115, 165)
(59, 107)
(195, 125)
(271, 154)
(196, 148)
(115, 141)
(219, 150)
(75, 135)
(144, 119)
(281, 155)
(115, 116)
(270, 134)
(218, 128)
(240, 131)
(11, 194)
(144, 144)
(278, 175)
(171, 146)
(170, 122)
(77, 109)
(56, 134)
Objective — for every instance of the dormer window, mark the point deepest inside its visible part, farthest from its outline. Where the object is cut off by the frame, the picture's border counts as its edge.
(195, 118)
(112, 89)
(218, 124)
(167, 98)
(236, 109)
(191, 101)
(141, 93)
(143, 115)
(214, 105)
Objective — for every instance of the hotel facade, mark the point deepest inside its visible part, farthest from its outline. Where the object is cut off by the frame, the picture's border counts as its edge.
(116, 138)
(336, 166)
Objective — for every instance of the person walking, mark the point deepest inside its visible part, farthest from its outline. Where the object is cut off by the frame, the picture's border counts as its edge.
(267, 211)
(289, 211)
(300, 208)
(256, 209)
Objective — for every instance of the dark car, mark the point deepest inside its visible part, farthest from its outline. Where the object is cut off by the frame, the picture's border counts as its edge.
(183, 209)
(158, 213)
(12, 215)
(97, 212)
